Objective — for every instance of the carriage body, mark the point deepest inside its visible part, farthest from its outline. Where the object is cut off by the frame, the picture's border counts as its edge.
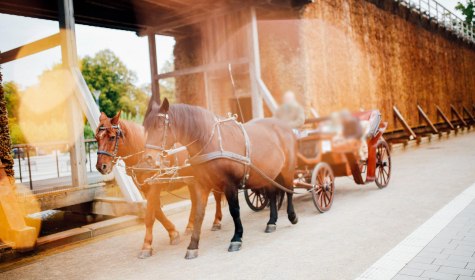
(323, 154)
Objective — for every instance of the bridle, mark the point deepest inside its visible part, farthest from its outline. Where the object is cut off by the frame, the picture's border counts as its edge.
(116, 145)
(162, 148)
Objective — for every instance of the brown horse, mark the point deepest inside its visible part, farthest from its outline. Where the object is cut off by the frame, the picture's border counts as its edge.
(120, 138)
(272, 151)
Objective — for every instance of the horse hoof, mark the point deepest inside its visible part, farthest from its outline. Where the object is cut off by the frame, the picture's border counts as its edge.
(188, 231)
(270, 228)
(294, 220)
(191, 254)
(216, 227)
(175, 238)
(145, 253)
(235, 246)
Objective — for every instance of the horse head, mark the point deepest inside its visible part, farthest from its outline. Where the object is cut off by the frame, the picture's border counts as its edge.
(107, 136)
(159, 135)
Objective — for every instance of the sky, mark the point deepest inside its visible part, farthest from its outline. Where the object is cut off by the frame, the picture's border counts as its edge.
(130, 48)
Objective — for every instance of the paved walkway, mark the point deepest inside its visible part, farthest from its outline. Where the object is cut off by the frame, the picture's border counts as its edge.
(450, 255)
(364, 224)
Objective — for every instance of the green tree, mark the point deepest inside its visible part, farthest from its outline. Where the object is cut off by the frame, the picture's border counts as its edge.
(5, 140)
(467, 10)
(106, 73)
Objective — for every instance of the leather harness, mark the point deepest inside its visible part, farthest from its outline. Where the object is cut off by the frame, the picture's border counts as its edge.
(221, 154)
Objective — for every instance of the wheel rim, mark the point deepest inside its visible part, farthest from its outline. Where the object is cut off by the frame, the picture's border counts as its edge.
(256, 200)
(383, 166)
(324, 189)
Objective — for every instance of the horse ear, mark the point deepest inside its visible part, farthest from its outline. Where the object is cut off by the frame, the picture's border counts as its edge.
(103, 116)
(165, 106)
(115, 119)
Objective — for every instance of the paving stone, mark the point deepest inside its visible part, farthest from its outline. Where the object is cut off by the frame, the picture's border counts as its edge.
(466, 278)
(457, 271)
(458, 252)
(457, 264)
(423, 266)
(425, 260)
(411, 271)
(439, 275)
(470, 265)
(461, 258)
(408, 277)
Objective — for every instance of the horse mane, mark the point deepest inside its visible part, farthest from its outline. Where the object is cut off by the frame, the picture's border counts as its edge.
(132, 130)
(191, 122)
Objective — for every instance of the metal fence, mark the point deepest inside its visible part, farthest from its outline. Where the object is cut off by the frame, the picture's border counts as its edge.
(34, 162)
(434, 11)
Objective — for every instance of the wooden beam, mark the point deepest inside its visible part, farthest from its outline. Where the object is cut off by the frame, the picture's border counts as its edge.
(444, 117)
(201, 68)
(31, 48)
(405, 125)
(76, 122)
(255, 66)
(152, 54)
(467, 112)
(457, 114)
(187, 18)
(426, 119)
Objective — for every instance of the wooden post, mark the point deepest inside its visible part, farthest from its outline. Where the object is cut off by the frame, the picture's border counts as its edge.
(255, 66)
(444, 117)
(426, 119)
(467, 112)
(76, 125)
(457, 114)
(405, 125)
(152, 54)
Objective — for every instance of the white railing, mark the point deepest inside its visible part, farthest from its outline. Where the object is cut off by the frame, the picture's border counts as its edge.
(434, 11)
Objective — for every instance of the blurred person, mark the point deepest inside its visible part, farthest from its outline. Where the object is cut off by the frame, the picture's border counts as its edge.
(291, 111)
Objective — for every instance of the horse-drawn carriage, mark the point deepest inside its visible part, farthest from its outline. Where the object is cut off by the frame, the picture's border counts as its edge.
(329, 147)
(339, 145)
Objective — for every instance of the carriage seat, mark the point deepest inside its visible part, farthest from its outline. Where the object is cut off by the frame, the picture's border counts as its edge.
(370, 121)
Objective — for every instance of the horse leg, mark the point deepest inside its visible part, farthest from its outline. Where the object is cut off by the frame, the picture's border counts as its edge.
(271, 225)
(201, 201)
(233, 201)
(290, 209)
(191, 219)
(167, 224)
(218, 216)
(149, 220)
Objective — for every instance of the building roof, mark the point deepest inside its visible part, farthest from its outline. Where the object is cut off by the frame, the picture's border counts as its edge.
(166, 17)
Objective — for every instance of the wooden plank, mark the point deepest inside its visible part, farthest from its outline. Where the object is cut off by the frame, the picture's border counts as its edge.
(31, 48)
(427, 120)
(444, 117)
(201, 68)
(469, 114)
(255, 66)
(405, 125)
(152, 54)
(75, 120)
(457, 114)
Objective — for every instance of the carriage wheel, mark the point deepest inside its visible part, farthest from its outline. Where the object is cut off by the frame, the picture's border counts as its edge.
(324, 187)
(383, 164)
(257, 200)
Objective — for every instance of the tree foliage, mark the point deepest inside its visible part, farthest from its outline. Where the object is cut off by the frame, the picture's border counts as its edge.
(467, 10)
(106, 73)
(5, 141)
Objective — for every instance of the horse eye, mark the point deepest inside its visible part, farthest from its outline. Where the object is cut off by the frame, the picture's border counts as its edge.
(111, 138)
